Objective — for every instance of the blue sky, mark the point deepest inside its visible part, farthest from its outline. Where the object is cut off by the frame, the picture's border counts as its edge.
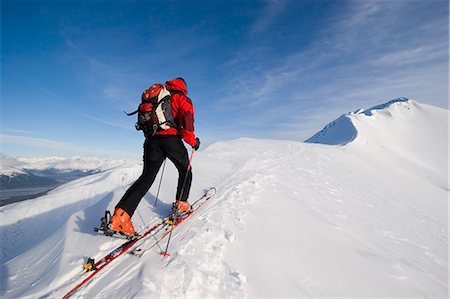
(262, 69)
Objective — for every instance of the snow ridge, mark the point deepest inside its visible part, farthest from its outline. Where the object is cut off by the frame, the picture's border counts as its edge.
(339, 132)
(364, 123)
(402, 101)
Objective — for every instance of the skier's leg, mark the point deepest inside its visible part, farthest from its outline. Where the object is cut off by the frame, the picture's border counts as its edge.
(177, 153)
(153, 159)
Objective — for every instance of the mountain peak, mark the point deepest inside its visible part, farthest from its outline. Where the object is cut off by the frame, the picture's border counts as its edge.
(346, 128)
(404, 128)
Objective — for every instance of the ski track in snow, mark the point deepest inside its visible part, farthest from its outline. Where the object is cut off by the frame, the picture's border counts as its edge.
(290, 219)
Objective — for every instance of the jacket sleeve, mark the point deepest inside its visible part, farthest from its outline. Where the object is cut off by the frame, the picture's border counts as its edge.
(186, 119)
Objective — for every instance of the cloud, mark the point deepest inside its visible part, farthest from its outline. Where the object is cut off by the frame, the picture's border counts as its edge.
(268, 15)
(6, 161)
(25, 132)
(419, 54)
(106, 122)
(34, 142)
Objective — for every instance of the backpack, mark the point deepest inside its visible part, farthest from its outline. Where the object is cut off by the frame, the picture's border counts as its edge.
(155, 111)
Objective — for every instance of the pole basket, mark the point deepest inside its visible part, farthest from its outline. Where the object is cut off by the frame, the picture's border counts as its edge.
(165, 253)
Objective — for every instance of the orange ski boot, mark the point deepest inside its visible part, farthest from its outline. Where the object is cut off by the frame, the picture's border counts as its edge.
(183, 206)
(178, 208)
(121, 222)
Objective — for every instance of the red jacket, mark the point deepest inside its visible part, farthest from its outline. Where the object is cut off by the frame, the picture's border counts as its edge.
(183, 112)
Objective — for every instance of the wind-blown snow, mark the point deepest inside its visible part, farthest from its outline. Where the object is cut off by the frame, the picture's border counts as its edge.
(290, 219)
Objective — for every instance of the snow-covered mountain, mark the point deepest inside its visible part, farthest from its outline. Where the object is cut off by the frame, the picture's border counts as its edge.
(364, 218)
(400, 132)
(11, 165)
(22, 177)
(378, 121)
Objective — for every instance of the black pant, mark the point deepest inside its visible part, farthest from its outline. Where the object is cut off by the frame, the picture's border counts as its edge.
(156, 150)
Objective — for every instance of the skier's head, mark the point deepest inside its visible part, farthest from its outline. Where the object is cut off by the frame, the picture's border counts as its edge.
(177, 84)
(179, 78)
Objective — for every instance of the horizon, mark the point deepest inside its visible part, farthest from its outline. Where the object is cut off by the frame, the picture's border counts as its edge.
(260, 69)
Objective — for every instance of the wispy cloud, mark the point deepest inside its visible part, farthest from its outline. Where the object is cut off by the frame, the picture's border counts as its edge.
(59, 146)
(106, 122)
(36, 142)
(16, 131)
(268, 15)
(420, 54)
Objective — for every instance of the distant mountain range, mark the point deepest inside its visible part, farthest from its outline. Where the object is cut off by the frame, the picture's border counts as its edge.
(23, 178)
(31, 178)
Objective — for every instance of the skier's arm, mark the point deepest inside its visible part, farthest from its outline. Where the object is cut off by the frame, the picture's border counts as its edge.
(187, 121)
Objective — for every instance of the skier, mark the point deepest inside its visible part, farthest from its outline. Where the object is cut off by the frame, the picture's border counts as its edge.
(162, 144)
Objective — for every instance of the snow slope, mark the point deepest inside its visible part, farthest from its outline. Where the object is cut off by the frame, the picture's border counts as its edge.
(401, 130)
(290, 219)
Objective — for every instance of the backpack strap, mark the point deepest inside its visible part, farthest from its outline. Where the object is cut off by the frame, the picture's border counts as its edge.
(131, 113)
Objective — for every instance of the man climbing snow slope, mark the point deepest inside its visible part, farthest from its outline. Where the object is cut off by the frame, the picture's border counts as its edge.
(166, 116)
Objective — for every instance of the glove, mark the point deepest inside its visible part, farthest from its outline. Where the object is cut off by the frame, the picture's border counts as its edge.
(197, 144)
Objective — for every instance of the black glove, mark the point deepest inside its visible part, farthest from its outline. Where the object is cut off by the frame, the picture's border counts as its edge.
(197, 144)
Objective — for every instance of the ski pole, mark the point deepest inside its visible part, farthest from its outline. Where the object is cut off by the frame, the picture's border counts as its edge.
(160, 181)
(175, 214)
(187, 173)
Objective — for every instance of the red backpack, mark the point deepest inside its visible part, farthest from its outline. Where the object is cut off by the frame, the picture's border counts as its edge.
(155, 111)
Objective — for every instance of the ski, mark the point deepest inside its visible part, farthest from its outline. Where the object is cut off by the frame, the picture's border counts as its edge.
(140, 249)
(94, 268)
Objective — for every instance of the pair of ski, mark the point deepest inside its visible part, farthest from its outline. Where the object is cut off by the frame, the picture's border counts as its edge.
(167, 225)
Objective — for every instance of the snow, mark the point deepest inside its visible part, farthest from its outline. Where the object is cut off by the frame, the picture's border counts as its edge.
(362, 218)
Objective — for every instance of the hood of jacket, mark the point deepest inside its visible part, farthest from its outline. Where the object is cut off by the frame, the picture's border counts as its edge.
(177, 84)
